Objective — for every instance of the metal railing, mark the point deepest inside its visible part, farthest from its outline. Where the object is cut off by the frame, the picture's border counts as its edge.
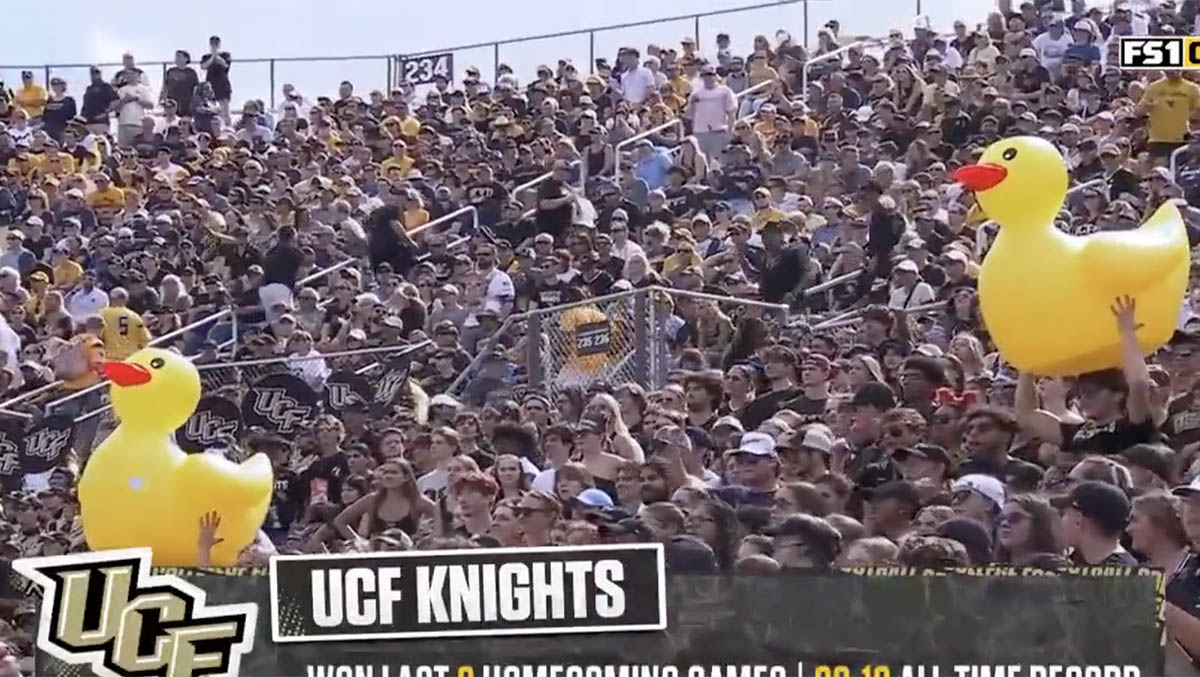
(6, 406)
(674, 122)
(325, 272)
(448, 218)
(851, 318)
(829, 56)
(1174, 164)
(283, 359)
(216, 317)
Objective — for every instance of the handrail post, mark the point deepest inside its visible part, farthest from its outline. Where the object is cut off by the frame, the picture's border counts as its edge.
(1175, 162)
(233, 334)
(591, 52)
(697, 31)
(641, 339)
(496, 61)
(271, 67)
(533, 346)
(638, 137)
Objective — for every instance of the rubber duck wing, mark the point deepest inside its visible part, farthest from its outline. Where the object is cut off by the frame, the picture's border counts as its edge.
(1128, 261)
(212, 480)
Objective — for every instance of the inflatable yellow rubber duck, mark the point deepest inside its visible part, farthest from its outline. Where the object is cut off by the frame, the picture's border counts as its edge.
(139, 489)
(1046, 295)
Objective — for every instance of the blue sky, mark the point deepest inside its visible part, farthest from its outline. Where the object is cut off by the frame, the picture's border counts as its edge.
(153, 30)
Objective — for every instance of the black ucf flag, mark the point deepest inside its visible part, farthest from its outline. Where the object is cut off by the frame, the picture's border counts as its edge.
(105, 610)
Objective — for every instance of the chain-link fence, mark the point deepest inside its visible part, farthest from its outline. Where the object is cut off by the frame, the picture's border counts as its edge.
(636, 336)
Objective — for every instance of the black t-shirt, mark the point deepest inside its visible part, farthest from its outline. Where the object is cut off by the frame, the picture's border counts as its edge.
(96, 100)
(781, 275)
(487, 198)
(681, 200)
(812, 411)
(286, 502)
(56, 115)
(764, 407)
(1183, 590)
(554, 221)
(739, 182)
(1182, 426)
(1030, 81)
(1118, 558)
(180, 83)
(218, 74)
(333, 470)
(1108, 438)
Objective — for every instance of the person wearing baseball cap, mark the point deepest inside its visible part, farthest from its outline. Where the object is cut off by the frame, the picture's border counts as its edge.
(980, 497)
(1095, 515)
(752, 470)
(804, 455)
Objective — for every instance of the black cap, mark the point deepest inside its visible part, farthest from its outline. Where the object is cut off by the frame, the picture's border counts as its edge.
(900, 490)
(874, 394)
(1156, 458)
(931, 452)
(1102, 503)
(690, 555)
(973, 535)
(1185, 336)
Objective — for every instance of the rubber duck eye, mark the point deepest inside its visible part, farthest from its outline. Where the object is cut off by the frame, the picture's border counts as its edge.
(1010, 154)
(157, 363)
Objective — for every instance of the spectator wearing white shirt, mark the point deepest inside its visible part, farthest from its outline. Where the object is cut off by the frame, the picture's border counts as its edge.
(1051, 46)
(910, 291)
(136, 101)
(711, 108)
(622, 247)
(87, 300)
(498, 289)
(637, 81)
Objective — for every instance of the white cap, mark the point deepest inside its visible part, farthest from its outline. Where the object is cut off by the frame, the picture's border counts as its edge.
(817, 440)
(908, 266)
(985, 485)
(759, 444)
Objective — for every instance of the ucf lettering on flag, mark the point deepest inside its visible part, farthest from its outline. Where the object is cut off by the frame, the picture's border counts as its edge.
(458, 593)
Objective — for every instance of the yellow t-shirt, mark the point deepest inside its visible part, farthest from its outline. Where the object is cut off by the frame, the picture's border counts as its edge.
(32, 100)
(124, 332)
(111, 198)
(762, 217)
(403, 164)
(1170, 105)
(67, 273)
(415, 218)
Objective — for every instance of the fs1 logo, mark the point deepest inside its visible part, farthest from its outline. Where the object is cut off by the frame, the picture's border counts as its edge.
(99, 610)
(1160, 53)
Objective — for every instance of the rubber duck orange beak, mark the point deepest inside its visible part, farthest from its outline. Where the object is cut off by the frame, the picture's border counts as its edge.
(981, 176)
(126, 374)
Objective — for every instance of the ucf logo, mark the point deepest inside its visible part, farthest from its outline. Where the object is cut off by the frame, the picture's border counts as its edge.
(47, 443)
(107, 611)
(341, 395)
(280, 408)
(206, 428)
(389, 386)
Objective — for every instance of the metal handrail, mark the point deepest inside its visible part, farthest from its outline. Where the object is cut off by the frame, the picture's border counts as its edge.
(1175, 162)
(721, 299)
(469, 209)
(828, 56)
(157, 341)
(673, 122)
(1094, 183)
(391, 60)
(830, 284)
(313, 277)
(281, 359)
(858, 313)
(24, 397)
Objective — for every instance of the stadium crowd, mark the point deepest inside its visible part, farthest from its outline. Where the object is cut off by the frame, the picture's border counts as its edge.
(898, 437)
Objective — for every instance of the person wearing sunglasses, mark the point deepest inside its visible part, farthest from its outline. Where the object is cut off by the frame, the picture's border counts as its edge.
(536, 513)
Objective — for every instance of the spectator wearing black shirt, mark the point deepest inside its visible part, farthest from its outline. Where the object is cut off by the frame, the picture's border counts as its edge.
(1095, 515)
(97, 102)
(786, 270)
(179, 82)
(1120, 180)
(282, 263)
(60, 109)
(1116, 403)
(216, 65)
(555, 202)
